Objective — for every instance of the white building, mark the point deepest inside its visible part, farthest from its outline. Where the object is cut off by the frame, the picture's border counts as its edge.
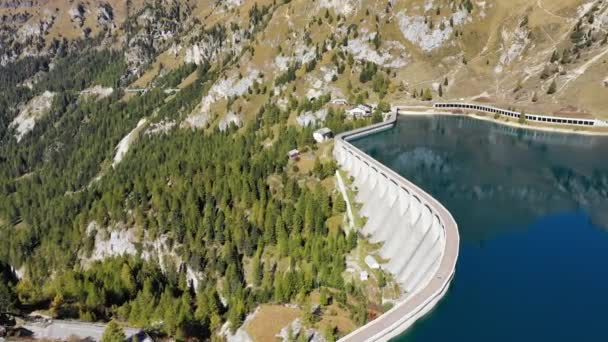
(359, 111)
(322, 134)
(364, 276)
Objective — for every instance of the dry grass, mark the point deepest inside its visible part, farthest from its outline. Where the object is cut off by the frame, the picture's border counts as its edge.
(482, 44)
(329, 184)
(335, 223)
(306, 162)
(63, 27)
(333, 315)
(325, 150)
(269, 321)
(275, 184)
(165, 61)
(188, 80)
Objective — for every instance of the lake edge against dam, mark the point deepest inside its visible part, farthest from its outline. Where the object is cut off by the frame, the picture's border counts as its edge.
(431, 150)
(429, 284)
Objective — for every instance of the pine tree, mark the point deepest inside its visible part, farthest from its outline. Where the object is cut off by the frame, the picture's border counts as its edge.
(427, 95)
(56, 305)
(323, 300)
(317, 169)
(377, 41)
(376, 117)
(235, 313)
(554, 57)
(339, 204)
(126, 277)
(468, 5)
(552, 88)
(381, 279)
(6, 298)
(307, 313)
(330, 333)
(256, 270)
(282, 239)
(113, 333)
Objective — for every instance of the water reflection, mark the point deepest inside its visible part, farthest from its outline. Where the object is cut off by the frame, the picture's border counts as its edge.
(495, 178)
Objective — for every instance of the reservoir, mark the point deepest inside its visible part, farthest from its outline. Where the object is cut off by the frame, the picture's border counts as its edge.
(532, 210)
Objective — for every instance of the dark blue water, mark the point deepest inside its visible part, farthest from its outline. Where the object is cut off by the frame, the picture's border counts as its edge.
(532, 210)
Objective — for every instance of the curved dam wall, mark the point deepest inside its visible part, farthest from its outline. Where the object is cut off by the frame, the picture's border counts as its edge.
(419, 236)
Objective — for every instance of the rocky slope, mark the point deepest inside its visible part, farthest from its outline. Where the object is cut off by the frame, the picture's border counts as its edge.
(503, 52)
(97, 80)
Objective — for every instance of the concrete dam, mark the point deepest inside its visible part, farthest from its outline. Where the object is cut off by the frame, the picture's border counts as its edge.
(419, 236)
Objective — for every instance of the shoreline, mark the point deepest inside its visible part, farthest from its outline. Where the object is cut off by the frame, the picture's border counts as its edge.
(506, 122)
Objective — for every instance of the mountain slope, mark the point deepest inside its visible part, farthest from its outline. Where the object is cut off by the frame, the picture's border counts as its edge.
(143, 144)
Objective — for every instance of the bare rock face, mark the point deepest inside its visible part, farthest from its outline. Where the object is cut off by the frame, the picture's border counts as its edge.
(22, 3)
(105, 14)
(295, 329)
(77, 13)
(230, 119)
(30, 113)
(15, 18)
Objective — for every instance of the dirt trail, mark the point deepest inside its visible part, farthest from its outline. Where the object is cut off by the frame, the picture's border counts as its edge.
(540, 5)
(578, 72)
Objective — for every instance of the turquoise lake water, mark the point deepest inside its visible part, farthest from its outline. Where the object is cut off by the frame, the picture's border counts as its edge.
(532, 210)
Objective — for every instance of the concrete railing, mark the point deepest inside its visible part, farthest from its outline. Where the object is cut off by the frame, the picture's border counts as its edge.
(420, 235)
(555, 120)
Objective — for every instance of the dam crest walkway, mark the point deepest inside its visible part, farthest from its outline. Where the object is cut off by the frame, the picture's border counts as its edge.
(419, 235)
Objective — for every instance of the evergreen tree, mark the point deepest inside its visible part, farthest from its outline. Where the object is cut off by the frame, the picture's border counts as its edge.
(317, 169)
(256, 270)
(330, 333)
(323, 299)
(113, 333)
(377, 116)
(552, 88)
(377, 40)
(339, 204)
(427, 95)
(522, 117)
(7, 299)
(554, 57)
(307, 314)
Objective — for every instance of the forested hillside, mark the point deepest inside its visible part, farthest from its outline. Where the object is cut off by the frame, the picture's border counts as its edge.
(144, 174)
(207, 224)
